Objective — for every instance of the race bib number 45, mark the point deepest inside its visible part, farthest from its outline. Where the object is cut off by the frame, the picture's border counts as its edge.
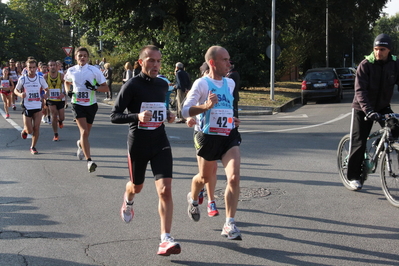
(159, 115)
(220, 122)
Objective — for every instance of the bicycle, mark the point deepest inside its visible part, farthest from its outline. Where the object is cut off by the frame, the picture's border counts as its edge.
(384, 151)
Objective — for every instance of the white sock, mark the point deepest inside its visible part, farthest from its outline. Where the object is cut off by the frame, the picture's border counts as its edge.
(164, 236)
(194, 202)
(130, 202)
(229, 220)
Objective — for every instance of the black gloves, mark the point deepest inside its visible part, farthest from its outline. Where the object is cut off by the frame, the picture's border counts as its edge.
(89, 86)
(374, 116)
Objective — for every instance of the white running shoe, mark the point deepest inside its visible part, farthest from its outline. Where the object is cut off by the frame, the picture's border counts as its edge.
(193, 211)
(231, 231)
(79, 153)
(355, 184)
(91, 166)
(127, 212)
(168, 247)
(44, 119)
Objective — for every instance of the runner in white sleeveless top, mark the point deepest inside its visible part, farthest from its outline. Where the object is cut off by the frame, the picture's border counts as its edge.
(211, 101)
(30, 88)
(14, 77)
(7, 90)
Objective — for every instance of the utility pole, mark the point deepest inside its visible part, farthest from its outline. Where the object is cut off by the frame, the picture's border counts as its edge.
(326, 33)
(272, 50)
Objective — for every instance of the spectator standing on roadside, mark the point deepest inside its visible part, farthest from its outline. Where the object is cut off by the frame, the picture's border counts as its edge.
(108, 77)
(128, 73)
(102, 63)
(136, 68)
(182, 87)
(233, 74)
(97, 64)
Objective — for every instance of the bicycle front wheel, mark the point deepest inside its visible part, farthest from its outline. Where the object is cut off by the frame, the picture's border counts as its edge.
(390, 178)
(342, 160)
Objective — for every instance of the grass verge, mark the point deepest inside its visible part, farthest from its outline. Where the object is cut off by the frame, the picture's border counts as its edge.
(260, 96)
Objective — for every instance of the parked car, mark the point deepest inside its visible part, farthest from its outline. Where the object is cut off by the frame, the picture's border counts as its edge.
(320, 83)
(347, 76)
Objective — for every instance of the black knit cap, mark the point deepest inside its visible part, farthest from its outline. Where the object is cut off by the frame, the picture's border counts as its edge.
(383, 40)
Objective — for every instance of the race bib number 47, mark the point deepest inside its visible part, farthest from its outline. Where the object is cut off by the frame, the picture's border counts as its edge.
(159, 115)
(220, 122)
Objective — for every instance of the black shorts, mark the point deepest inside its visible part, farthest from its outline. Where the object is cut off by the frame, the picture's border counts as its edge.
(58, 104)
(157, 151)
(211, 147)
(80, 111)
(30, 113)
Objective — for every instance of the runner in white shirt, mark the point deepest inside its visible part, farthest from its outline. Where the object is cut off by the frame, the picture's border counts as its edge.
(86, 80)
(30, 88)
(14, 76)
(217, 138)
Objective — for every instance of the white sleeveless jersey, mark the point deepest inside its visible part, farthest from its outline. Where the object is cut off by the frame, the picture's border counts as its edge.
(33, 88)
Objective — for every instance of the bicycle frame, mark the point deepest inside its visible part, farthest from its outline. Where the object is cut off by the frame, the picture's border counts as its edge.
(373, 158)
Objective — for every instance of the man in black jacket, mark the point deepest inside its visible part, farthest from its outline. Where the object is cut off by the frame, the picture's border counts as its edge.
(376, 76)
(182, 87)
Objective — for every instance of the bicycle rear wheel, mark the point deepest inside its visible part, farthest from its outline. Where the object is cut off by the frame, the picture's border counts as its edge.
(342, 160)
(390, 180)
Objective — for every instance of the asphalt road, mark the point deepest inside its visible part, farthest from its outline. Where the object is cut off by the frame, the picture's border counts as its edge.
(293, 210)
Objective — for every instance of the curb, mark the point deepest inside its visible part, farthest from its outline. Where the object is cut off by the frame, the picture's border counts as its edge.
(247, 110)
(252, 110)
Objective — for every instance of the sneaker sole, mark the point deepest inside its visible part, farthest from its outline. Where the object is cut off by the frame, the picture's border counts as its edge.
(213, 215)
(231, 238)
(195, 219)
(172, 250)
(92, 168)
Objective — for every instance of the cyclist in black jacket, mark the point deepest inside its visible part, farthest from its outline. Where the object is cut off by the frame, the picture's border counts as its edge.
(376, 76)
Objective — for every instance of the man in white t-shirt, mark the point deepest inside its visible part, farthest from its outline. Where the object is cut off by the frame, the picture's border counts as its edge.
(86, 80)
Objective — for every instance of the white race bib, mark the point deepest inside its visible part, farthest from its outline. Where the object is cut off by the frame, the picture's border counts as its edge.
(159, 115)
(220, 121)
(54, 94)
(5, 84)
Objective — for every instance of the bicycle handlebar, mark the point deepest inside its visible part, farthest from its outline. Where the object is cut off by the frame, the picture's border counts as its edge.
(384, 117)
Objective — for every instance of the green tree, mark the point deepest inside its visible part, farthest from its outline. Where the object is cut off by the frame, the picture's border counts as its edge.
(185, 29)
(390, 26)
(35, 31)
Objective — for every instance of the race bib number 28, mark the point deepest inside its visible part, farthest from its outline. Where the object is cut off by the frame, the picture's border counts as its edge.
(159, 115)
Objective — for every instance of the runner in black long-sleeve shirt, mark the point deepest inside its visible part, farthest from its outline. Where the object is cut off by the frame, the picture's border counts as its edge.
(144, 98)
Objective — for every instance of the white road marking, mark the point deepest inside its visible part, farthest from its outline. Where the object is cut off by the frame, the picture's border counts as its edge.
(15, 125)
(342, 116)
(295, 116)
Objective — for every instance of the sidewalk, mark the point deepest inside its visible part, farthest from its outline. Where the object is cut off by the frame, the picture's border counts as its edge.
(243, 110)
